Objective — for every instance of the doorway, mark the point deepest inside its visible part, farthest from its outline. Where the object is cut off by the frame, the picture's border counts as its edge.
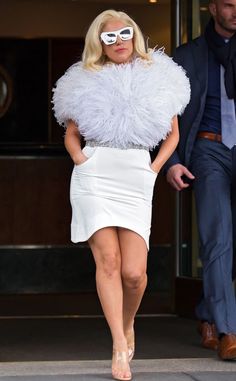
(42, 273)
(193, 17)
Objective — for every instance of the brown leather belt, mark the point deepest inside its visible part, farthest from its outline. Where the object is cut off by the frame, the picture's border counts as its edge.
(210, 136)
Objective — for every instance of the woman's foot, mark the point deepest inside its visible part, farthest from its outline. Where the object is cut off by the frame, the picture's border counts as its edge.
(120, 366)
(130, 337)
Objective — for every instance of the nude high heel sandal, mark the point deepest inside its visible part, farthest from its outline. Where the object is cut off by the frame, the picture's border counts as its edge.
(130, 337)
(120, 366)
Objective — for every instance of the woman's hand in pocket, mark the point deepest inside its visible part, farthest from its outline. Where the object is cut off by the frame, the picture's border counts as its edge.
(80, 159)
(154, 168)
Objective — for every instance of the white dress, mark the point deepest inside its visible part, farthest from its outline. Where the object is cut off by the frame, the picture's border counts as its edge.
(122, 111)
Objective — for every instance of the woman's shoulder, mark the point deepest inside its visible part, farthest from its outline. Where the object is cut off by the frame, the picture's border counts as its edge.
(167, 67)
(159, 62)
(73, 70)
(74, 77)
(160, 58)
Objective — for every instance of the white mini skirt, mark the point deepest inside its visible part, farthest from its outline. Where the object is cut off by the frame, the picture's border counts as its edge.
(114, 187)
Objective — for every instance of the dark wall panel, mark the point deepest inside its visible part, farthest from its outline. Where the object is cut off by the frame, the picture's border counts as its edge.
(34, 201)
(26, 62)
(63, 54)
(163, 215)
(67, 270)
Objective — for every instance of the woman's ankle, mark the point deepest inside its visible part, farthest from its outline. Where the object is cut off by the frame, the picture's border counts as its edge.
(129, 327)
(120, 344)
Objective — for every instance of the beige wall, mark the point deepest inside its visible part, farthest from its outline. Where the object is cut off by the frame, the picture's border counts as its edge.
(65, 18)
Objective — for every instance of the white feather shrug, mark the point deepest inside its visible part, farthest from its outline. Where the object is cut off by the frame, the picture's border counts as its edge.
(122, 104)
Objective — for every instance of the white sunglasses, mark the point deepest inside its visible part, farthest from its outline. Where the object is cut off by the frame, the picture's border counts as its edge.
(111, 37)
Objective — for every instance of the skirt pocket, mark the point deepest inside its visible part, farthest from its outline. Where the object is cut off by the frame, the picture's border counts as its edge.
(149, 176)
(83, 179)
(89, 152)
(147, 161)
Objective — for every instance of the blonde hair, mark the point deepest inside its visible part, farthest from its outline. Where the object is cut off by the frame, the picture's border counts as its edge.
(93, 57)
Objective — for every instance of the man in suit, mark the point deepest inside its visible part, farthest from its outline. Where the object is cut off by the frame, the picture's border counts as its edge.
(206, 156)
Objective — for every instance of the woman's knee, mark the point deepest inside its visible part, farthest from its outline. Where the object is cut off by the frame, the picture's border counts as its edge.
(105, 248)
(108, 262)
(134, 278)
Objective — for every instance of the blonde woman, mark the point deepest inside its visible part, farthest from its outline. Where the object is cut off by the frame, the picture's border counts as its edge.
(123, 101)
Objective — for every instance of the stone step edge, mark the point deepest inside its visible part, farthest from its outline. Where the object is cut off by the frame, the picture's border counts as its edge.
(39, 368)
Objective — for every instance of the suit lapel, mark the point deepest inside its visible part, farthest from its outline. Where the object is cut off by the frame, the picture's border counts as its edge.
(200, 55)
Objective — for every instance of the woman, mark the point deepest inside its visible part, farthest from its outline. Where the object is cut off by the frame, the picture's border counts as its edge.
(123, 101)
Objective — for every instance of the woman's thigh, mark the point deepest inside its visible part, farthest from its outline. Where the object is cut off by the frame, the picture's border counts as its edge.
(133, 251)
(104, 244)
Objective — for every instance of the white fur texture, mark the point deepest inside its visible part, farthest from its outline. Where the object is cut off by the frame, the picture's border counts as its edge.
(123, 104)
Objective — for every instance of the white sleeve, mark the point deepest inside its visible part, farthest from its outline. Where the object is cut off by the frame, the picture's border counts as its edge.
(65, 101)
(177, 83)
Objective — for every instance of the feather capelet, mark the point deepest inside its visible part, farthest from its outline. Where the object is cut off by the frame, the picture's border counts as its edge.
(131, 103)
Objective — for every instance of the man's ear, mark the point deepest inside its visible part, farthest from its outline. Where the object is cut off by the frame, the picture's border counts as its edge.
(212, 8)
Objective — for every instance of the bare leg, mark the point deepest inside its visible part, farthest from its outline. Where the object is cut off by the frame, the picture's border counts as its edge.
(134, 277)
(106, 251)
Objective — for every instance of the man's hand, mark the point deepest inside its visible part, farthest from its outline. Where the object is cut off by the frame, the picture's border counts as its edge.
(175, 176)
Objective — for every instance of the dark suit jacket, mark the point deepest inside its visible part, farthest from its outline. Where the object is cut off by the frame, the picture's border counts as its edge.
(193, 57)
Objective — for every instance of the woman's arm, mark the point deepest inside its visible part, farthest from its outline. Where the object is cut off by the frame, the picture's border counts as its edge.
(73, 143)
(167, 147)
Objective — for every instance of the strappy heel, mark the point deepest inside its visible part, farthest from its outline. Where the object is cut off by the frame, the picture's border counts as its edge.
(120, 366)
(130, 337)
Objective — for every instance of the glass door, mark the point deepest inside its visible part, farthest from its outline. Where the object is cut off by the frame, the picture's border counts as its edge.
(191, 17)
